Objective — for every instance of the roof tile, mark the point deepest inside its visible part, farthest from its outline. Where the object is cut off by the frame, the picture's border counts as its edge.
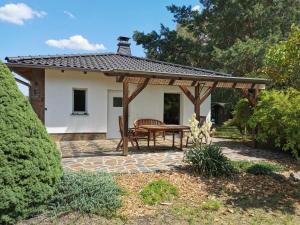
(110, 61)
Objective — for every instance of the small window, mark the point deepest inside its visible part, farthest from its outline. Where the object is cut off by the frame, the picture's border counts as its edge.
(79, 101)
(117, 102)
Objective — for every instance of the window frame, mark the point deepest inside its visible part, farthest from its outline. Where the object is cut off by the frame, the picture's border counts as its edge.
(85, 112)
(114, 102)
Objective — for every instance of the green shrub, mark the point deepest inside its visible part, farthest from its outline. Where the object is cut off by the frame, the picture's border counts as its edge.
(212, 205)
(241, 114)
(296, 194)
(277, 116)
(30, 162)
(209, 161)
(241, 165)
(256, 167)
(158, 191)
(263, 168)
(87, 192)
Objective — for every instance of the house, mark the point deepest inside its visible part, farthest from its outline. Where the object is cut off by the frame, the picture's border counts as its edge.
(80, 96)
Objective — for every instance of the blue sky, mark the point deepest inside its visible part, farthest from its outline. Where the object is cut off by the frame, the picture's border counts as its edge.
(32, 27)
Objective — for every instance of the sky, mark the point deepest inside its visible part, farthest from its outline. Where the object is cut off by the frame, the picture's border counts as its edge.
(39, 27)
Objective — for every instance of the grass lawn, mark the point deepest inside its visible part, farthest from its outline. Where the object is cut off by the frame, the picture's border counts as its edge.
(246, 199)
(230, 132)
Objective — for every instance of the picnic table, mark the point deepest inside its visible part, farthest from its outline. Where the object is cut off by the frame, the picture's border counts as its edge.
(170, 128)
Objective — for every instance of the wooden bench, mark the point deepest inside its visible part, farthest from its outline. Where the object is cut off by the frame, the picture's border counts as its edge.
(143, 132)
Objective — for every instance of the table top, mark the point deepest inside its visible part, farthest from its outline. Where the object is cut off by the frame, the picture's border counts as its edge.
(165, 127)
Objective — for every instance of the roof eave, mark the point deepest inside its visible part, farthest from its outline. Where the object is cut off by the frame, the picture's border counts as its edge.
(118, 72)
(153, 74)
(23, 65)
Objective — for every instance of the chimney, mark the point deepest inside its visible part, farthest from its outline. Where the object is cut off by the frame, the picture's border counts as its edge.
(124, 46)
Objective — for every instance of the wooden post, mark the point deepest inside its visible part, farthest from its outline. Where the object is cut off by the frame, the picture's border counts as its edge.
(197, 102)
(125, 116)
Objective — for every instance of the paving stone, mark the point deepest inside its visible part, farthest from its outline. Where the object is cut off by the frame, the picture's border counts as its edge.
(101, 155)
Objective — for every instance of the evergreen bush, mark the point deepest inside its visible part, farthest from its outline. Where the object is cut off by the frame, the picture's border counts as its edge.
(30, 162)
(86, 192)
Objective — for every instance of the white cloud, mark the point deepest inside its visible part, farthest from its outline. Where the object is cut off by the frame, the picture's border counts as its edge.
(69, 14)
(196, 8)
(76, 42)
(19, 13)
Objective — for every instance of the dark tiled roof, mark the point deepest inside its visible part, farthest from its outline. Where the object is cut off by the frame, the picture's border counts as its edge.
(109, 62)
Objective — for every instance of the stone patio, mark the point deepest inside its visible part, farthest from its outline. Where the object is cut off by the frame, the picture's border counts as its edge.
(101, 155)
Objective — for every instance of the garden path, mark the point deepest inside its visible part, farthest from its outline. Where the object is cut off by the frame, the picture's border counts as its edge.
(101, 155)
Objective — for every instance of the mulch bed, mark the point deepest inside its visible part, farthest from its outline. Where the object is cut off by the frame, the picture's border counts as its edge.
(195, 190)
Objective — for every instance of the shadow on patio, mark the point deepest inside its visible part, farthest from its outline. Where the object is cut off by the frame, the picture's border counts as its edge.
(102, 155)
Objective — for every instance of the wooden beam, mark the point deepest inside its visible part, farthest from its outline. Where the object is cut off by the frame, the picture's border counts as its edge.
(120, 78)
(172, 81)
(197, 102)
(138, 89)
(187, 92)
(22, 82)
(125, 116)
(202, 86)
(252, 99)
(207, 93)
(194, 83)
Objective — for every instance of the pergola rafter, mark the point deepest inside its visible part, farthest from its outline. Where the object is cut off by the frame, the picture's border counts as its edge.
(184, 84)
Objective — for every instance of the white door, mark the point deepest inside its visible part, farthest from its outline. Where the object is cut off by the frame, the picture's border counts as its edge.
(115, 109)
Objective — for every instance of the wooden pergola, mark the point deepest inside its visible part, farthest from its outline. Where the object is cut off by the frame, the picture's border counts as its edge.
(249, 86)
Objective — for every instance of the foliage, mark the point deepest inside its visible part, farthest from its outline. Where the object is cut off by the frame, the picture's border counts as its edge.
(256, 167)
(242, 57)
(199, 134)
(86, 192)
(241, 165)
(230, 35)
(283, 61)
(30, 162)
(241, 114)
(212, 205)
(263, 169)
(277, 116)
(226, 95)
(158, 191)
(162, 45)
(296, 194)
(209, 161)
(230, 132)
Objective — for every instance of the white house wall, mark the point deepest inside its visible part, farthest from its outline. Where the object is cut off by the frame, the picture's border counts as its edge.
(58, 102)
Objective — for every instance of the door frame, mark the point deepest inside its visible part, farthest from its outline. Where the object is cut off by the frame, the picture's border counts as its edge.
(180, 107)
(108, 112)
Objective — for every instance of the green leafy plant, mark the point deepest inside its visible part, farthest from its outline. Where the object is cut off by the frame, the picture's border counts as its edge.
(263, 168)
(277, 117)
(209, 161)
(241, 165)
(212, 205)
(282, 61)
(87, 192)
(256, 167)
(158, 191)
(30, 162)
(241, 115)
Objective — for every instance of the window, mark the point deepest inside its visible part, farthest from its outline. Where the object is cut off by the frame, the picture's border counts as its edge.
(117, 102)
(79, 101)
